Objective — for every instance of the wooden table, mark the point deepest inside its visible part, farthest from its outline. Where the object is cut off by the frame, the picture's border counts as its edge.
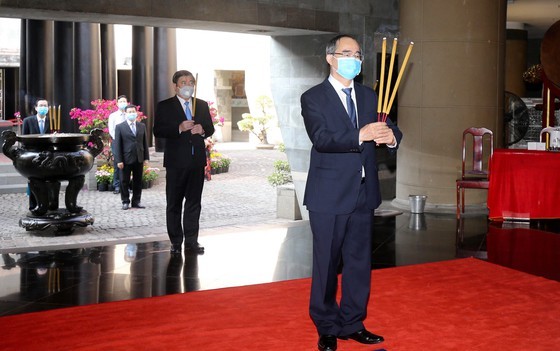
(524, 184)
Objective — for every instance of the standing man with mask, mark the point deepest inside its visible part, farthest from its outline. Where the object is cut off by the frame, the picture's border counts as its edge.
(115, 118)
(39, 123)
(342, 192)
(131, 155)
(184, 160)
(36, 124)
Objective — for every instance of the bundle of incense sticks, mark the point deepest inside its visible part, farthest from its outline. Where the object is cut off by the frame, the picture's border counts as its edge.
(384, 103)
(54, 118)
(194, 95)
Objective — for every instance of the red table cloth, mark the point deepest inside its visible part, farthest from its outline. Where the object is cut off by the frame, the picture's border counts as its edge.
(524, 184)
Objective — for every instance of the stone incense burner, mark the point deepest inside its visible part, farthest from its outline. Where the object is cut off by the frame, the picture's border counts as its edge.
(46, 160)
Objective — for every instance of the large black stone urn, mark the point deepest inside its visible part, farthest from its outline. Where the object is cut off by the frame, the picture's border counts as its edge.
(46, 160)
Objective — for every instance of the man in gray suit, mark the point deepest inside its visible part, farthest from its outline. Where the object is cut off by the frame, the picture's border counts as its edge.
(131, 154)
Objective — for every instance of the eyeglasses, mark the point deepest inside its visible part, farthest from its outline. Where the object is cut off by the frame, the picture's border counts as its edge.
(346, 53)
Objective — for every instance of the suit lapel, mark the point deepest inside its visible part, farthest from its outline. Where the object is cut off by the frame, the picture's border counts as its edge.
(179, 107)
(336, 104)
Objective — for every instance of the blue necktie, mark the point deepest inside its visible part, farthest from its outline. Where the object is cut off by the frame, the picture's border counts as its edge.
(133, 127)
(350, 105)
(189, 117)
(42, 126)
(188, 111)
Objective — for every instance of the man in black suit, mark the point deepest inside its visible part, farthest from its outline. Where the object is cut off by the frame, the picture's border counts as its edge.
(184, 122)
(39, 123)
(131, 154)
(36, 124)
(342, 192)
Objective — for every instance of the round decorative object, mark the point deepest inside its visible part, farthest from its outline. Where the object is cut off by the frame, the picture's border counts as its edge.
(46, 160)
(550, 53)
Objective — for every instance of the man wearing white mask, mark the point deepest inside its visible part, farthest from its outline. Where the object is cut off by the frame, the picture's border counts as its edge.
(131, 154)
(183, 121)
(36, 124)
(115, 118)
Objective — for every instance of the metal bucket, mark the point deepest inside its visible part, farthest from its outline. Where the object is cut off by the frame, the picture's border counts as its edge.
(417, 203)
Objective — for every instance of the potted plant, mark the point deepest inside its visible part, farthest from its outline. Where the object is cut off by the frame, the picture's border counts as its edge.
(225, 162)
(149, 176)
(258, 124)
(281, 175)
(103, 177)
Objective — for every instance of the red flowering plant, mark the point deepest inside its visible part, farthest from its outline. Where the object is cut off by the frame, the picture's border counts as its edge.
(98, 117)
(218, 120)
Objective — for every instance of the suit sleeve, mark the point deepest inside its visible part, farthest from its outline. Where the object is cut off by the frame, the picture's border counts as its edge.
(117, 146)
(206, 120)
(26, 127)
(166, 124)
(146, 146)
(325, 130)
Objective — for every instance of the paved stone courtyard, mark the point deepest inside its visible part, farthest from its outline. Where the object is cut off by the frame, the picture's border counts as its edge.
(239, 198)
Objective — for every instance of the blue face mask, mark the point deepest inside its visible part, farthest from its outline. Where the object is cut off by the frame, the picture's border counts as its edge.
(131, 116)
(42, 110)
(349, 67)
(122, 105)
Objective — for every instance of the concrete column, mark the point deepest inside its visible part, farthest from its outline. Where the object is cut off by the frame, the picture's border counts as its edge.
(516, 62)
(455, 80)
(165, 64)
(142, 72)
(23, 105)
(38, 62)
(87, 64)
(64, 73)
(108, 63)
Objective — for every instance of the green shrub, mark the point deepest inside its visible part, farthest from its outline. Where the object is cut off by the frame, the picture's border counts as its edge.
(281, 175)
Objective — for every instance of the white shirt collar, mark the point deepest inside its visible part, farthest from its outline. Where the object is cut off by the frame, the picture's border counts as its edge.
(338, 86)
(183, 100)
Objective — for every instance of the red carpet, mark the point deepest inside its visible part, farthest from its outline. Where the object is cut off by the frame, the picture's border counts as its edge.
(462, 304)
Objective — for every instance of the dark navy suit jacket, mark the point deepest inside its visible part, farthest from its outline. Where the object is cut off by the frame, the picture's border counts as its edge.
(130, 148)
(335, 170)
(31, 126)
(178, 147)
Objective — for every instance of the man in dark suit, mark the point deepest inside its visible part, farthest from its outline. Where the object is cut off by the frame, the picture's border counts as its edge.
(184, 159)
(131, 154)
(342, 193)
(39, 123)
(36, 124)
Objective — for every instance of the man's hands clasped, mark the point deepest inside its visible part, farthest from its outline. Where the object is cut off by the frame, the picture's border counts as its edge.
(190, 125)
(379, 132)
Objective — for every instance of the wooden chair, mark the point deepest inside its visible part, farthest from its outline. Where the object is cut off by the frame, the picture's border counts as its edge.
(475, 176)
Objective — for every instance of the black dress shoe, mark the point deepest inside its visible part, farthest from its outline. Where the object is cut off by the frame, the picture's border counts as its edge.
(175, 249)
(194, 249)
(125, 206)
(138, 206)
(327, 343)
(363, 336)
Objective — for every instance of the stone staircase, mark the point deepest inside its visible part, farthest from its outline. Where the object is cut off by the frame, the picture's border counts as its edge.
(13, 182)
(10, 180)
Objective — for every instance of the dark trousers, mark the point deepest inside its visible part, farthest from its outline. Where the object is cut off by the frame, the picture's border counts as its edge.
(136, 169)
(116, 172)
(183, 185)
(341, 238)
